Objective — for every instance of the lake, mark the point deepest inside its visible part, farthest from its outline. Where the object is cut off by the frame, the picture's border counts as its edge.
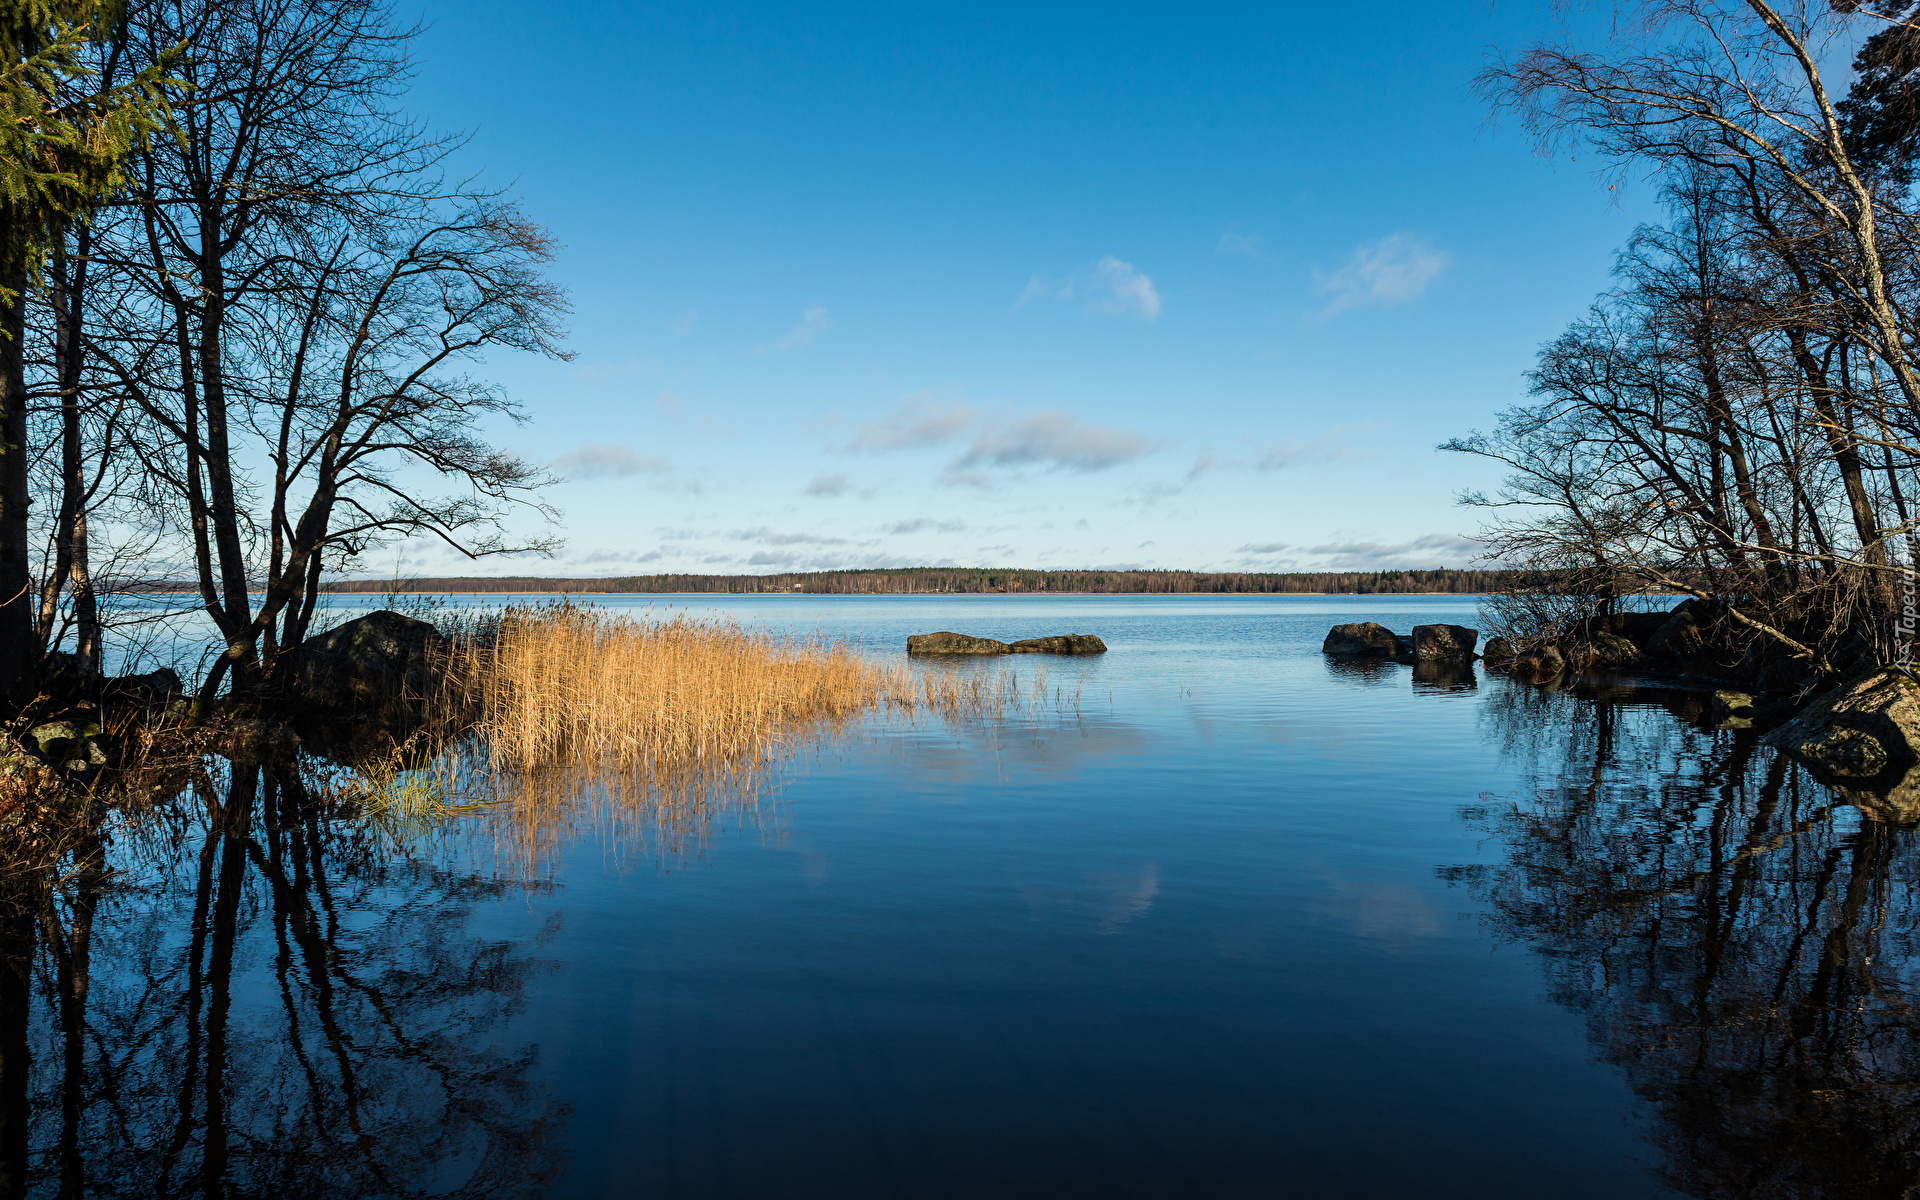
(1209, 915)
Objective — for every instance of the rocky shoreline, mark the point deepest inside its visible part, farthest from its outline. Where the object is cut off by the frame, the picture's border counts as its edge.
(1860, 733)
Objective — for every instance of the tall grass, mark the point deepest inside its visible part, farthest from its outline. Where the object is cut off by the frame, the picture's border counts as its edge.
(566, 683)
(666, 721)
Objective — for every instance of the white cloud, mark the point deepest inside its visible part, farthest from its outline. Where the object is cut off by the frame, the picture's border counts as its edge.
(1390, 271)
(1332, 445)
(1049, 438)
(813, 323)
(593, 460)
(922, 524)
(828, 485)
(768, 537)
(916, 423)
(1110, 286)
(1055, 438)
(1432, 550)
(1264, 548)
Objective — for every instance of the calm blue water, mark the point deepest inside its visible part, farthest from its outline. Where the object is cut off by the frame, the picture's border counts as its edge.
(1242, 922)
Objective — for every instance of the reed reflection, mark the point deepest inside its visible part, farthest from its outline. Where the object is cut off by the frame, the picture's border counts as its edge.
(263, 999)
(1739, 938)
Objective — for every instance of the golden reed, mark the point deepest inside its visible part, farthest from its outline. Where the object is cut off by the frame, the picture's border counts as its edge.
(663, 721)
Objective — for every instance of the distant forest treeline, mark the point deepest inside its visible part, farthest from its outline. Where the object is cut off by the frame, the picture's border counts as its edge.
(950, 580)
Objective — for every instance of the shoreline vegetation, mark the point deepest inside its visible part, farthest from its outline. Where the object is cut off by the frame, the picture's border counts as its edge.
(966, 581)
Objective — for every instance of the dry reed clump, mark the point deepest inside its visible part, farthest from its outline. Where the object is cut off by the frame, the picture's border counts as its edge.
(652, 727)
(567, 684)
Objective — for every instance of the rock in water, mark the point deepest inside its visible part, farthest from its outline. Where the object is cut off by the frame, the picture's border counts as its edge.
(372, 663)
(154, 687)
(1444, 641)
(1538, 665)
(1062, 643)
(1498, 650)
(1859, 728)
(1368, 638)
(1732, 710)
(955, 643)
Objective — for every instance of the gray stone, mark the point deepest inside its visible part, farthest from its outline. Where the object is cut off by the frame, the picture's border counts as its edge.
(373, 663)
(1368, 639)
(1733, 710)
(1604, 649)
(1444, 641)
(154, 687)
(1637, 627)
(1540, 664)
(954, 643)
(1859, 728)
(1498, 649)
(1063, 643)
(1679, 636)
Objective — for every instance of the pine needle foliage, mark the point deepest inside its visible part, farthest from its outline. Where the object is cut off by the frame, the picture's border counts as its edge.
(64, 144)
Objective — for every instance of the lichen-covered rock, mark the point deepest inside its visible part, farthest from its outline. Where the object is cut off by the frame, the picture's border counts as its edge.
(1733, 710)
(1367, 638)
(376, 663)
(1063, 643)
(1498, 649)
(1444, 641)
(955, 643)
(1604, 649)
(1859, 728)
(74, 745)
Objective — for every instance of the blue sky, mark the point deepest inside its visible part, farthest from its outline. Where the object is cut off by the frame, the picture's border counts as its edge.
(1056, 286)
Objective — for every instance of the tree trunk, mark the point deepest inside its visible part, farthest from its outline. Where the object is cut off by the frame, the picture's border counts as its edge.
(17, 651)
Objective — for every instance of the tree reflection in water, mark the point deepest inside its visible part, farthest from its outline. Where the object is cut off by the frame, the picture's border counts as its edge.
(1740, 939)
(260, 1000)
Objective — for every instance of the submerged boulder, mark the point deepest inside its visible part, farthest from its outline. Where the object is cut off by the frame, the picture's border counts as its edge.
(1449, 642)
(1062, 643)
(382, 660)
(1368, 638)
(1859, 728)
(955, 643)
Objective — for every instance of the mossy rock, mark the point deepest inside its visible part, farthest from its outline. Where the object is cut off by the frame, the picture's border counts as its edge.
(1881, 707)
